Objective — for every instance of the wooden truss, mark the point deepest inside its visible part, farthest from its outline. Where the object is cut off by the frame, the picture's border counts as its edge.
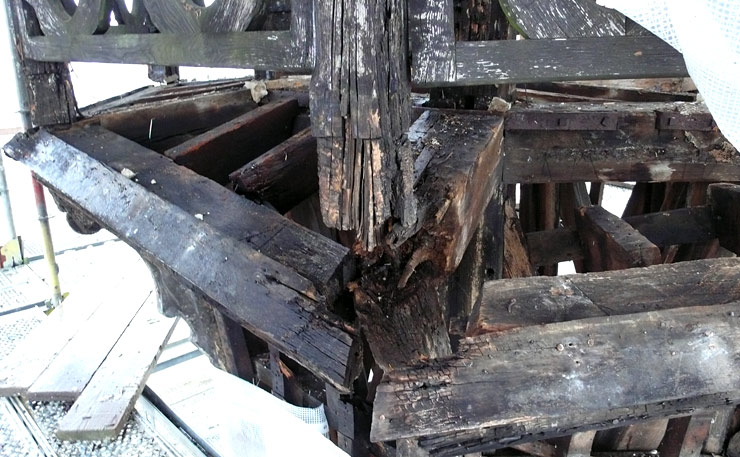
(401, 285)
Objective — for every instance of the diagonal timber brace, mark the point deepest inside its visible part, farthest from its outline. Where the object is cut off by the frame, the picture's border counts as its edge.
(271, 300)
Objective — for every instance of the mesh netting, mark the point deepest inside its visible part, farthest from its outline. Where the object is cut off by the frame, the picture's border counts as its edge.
(705, 32)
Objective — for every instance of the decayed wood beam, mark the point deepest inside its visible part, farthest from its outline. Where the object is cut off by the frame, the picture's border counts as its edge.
(283, 176)
(616, 142)
(612, 244)
(514, 303)
(645, 436)
(725, 200)
(325, 263)
(590, 374)
(679, 226)
(401, 299)
(218, 152)
(261, 294)
(360, 111)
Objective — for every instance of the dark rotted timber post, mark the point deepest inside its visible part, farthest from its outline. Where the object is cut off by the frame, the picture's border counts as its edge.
(360, 111)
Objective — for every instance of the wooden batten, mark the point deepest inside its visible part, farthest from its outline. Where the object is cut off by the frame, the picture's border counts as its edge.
(283, 176)
(218, 152)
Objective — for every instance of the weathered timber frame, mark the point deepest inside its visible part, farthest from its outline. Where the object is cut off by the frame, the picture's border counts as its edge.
(220, 43)
(438, 60)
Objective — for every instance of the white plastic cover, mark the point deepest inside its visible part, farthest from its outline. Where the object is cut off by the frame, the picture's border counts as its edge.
(707, 33)
(261, 425)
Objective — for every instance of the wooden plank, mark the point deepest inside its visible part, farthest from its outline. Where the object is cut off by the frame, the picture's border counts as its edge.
(645, 436)
(488, 395)
(220, 151)
(612, 244)
(519, 61)
(283, 176)
(718, 430)
(514, 303)
(40, 347)
(68, 374)
(103, 407)
(612, 142)
(725, 202)
(256, 50)
(563, 19)
(151, 121)
(679, 226)
(552, 246)
(269, 299)
(432, 41)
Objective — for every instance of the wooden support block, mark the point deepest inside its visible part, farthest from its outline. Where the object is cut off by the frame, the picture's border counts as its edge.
(579, 444)
(725, 202)
(599, 372)
(68, 374)
(614, 142)
(283, 176)
(103, 407)
(218, 152)
(612, 244)
(400, 301)
(523, 302)
(678, 226)
(266, 297)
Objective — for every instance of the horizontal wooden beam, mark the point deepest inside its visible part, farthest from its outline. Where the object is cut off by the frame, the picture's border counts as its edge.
(219, 151)
(283, 176)
(256, 50)
(260, 293)
(612, 244)
(615, 142)
(679, 226)
(513, 303)
(548, 247)
(519, 61)
(553, 380)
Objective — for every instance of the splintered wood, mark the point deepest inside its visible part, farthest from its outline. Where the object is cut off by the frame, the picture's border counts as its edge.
(360, 110)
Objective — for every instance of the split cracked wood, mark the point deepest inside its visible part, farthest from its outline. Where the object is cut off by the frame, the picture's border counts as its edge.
(400, 300)
(266, 297)
(360, 111)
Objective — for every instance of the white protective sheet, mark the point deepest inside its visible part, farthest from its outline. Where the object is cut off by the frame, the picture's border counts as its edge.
(707, 32)
(260, 425)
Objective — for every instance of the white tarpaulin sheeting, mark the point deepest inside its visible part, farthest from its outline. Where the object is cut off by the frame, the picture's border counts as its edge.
(707, 33)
